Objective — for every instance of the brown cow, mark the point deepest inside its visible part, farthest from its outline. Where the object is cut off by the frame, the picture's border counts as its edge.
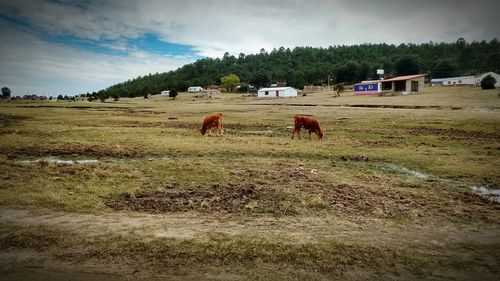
(309, 123)
(210, 122)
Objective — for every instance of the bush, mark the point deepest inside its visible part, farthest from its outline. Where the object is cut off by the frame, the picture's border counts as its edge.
(172, 93)
(488, 82)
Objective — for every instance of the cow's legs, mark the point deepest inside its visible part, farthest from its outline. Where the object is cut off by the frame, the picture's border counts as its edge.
(221, 129)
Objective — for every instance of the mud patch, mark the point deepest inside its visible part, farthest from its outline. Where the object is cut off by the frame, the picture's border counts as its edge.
(72, 150)
(241, 198)
(355, 158)
(287, 176)
(363, 201)
(376, 199)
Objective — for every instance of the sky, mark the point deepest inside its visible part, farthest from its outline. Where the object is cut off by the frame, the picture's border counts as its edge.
(51, 47)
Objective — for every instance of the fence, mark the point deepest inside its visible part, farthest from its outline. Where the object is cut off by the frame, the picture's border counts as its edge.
(347, 88)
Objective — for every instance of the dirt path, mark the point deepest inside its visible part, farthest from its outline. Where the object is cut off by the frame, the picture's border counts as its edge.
(435, 239)
(187, 226)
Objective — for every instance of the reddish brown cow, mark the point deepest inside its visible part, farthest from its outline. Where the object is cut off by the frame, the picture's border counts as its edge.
(210, 122)
(309, 123)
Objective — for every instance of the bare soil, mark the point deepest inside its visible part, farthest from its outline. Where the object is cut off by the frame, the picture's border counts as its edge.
(449, 244)
(249, 192)
(69, 149)
(235, 198)
(446, 134)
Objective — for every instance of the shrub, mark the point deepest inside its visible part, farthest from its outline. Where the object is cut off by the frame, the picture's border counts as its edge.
(488, 82)
(172, 93)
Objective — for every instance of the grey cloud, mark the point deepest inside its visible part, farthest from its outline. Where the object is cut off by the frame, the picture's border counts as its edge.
(214, 27)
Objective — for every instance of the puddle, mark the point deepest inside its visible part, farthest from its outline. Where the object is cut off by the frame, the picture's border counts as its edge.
(61, 161)
(88, 161)
(400, 170)
(492, 194)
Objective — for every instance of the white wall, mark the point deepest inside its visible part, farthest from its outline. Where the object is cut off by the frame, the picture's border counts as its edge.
(282, 93)
(459, 81)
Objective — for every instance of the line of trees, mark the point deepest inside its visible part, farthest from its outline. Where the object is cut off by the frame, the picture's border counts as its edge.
(314, 66)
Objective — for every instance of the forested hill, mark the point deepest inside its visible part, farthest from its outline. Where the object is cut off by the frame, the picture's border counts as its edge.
(306, 65)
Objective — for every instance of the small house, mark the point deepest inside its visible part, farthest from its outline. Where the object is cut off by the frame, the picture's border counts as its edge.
(195, 89)
(277, 92)
(404, 84)
(398, 85)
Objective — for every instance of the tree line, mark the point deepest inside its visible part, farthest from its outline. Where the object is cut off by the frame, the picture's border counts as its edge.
(302, 66)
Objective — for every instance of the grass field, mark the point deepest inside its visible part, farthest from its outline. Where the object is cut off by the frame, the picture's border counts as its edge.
(117, 190)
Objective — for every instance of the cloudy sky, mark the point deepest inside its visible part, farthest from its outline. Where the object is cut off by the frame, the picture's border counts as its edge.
(70, 47)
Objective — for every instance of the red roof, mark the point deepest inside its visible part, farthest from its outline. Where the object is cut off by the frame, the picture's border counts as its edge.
(401, 78)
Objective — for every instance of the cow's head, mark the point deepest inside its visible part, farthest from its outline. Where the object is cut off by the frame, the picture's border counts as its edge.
(320, 133)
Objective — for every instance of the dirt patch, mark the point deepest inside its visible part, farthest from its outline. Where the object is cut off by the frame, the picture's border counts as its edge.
(282, 176)
(444, 134)
(372, 200)
(397, 203)
(7, 120)
(71, 150)
(356, 158)
(454, 134)
(379, 144)
(215, 198)
(377, 131)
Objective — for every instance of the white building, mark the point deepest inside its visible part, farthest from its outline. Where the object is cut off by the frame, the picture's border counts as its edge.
(464, 80)
(454, 81)
(165, 93)
(195, 89)
(278, 92)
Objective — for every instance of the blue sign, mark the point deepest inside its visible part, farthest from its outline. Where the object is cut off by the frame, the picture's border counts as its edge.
(366, 87)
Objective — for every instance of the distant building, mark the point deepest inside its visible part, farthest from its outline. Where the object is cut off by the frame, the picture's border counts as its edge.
(195, 89)
(464, 80)
(400, 84)
(278, 92)
(369, 87)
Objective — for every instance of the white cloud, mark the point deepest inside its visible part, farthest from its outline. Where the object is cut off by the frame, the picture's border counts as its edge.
(30, 65)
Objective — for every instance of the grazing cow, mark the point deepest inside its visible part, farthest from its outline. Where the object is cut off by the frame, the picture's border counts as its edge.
(210, 122)
(309, 123)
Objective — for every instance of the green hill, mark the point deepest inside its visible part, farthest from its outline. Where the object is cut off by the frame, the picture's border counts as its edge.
(307, 65)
